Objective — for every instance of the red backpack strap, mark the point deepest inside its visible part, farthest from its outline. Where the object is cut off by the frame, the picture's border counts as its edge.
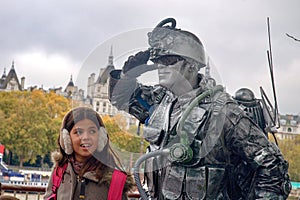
(117, 185)
(57, 176)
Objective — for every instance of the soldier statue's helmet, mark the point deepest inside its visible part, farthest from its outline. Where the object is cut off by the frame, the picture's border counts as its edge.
(167, 40)
(244, 94)
(245, 97)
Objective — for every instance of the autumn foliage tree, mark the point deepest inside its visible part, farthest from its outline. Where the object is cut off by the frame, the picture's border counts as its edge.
(291, 151)
(30, 122)
(129, 146)
(122, 139)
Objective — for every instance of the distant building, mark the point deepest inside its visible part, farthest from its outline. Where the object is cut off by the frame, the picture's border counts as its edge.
(97, 89)
(10, 82)
(289, 126)
(97, 93)
(71, 92)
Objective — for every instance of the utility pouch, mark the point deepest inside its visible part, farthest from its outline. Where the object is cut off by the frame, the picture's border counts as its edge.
(173, 181)
(196, 183)
(205, 183)
(215, 183)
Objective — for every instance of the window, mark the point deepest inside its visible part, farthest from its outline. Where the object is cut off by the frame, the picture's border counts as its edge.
(293, 123)
(283, 122)
(104, 107)
(109, 108)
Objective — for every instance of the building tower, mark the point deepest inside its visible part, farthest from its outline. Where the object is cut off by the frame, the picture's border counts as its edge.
(98, 90)
(10, 82)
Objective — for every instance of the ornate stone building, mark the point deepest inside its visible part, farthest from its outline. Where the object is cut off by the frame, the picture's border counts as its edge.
(10, 82)
(97, 89)
(97, 93)
(289, 126)
(71, 91)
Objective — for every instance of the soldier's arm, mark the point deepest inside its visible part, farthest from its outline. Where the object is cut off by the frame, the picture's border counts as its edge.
(249, 143)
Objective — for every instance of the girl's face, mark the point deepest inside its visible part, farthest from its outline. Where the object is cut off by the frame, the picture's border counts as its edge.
(84, 137)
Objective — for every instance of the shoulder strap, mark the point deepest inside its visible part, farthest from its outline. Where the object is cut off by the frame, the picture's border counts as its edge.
(56, 179)
(116, 186)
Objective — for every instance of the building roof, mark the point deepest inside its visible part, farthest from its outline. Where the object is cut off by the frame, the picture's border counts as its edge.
(70, 84)
(3, 78)
(290, 119)
(11, 75)
(103, 77)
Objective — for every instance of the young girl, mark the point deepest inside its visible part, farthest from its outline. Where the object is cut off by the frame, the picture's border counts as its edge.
(86, 161)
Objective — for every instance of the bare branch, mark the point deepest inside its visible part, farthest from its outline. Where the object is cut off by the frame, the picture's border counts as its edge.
(293, 37)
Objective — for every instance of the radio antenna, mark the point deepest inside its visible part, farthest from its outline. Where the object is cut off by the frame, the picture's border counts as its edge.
(270, 60)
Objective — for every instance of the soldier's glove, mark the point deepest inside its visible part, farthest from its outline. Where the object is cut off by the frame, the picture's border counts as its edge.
(138, 59)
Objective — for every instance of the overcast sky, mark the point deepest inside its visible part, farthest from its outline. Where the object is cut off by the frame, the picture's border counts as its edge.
(51, 40)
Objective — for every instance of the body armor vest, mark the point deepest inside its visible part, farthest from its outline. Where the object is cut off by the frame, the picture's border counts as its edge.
(204, 176)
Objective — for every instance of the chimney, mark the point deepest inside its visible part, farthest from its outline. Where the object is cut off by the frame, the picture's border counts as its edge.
(22, 83)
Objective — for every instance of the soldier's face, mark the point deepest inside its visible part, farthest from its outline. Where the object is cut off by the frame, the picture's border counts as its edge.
(177, 74)
(168, 75)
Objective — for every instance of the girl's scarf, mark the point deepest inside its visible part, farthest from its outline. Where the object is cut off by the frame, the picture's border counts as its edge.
(77, 166)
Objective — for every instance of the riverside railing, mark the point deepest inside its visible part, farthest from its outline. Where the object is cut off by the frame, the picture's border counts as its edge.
(37, 190)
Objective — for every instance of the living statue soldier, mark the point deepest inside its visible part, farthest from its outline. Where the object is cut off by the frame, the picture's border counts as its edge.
(202, 143)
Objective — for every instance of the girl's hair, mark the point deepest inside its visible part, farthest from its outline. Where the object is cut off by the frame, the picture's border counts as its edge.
(81, 113)
(105, 160)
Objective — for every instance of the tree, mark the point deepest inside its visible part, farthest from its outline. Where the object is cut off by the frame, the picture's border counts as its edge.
(31, 122)
(122, 139)
(128, 146)
(290, 149)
